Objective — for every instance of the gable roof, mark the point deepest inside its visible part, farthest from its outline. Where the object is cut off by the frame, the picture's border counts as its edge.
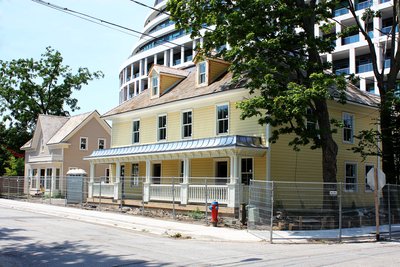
(69, 126)
(58, 129)
(186, 89)
(46, 127)
(160, 69)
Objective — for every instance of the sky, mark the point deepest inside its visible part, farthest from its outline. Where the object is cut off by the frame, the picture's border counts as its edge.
(27, 28)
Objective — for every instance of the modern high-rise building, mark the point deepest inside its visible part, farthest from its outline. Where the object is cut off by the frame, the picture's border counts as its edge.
(162, 44)
(351, 54)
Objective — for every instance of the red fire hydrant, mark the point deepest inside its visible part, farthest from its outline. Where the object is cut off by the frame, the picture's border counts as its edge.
(214, 213)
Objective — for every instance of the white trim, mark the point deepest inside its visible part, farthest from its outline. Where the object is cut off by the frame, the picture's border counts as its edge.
(132, 132)
(216, 119)
(80, 143)
(353, 127)
(158, 129)
(356, 176)
(205, 83)
(98, 143)
(182, 126)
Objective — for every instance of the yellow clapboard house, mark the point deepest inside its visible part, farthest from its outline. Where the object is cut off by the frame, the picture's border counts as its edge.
(183, 137)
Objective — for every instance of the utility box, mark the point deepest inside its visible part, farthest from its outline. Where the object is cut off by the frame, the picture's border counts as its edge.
(76, 188)
(253, 214)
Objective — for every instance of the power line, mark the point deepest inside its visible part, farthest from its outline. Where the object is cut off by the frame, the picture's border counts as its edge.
(162, 11)
(101, 21)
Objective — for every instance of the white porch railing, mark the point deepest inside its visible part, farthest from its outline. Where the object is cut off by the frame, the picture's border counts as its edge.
(102, 189)
(165, 192)
(197, 193)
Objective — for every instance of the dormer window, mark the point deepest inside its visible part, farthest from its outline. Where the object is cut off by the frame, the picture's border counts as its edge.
(154, 85)
(202, 73)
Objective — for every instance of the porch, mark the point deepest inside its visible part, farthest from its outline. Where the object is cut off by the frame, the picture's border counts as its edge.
(199, 190)
(187, 172)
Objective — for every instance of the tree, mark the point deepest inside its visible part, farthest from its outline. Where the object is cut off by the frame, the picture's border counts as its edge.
(15, 166)
(29, 88)
(274, 48)
(387, 82)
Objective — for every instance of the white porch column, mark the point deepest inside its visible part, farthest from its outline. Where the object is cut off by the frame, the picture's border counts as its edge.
(155, 59)
(145, 66)
(182, 54)
(146, 184)
(185, 182)
(233, 185)
(171, 57)
(141, 67)
(117, 180)
(166, 58)
(194, 49)
(91, 179)
(352, 60)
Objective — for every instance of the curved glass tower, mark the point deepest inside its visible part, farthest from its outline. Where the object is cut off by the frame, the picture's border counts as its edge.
(160, 44)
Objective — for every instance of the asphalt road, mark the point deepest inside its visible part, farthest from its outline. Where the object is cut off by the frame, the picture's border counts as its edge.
(33, 239)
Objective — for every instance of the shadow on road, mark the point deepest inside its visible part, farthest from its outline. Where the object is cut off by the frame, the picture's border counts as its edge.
(14, 253)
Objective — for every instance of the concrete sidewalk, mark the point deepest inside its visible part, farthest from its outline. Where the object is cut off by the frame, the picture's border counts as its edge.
(136, 223)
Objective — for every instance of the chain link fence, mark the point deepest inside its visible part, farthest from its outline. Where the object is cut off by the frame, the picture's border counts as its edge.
(160, 197)
(321, 211)
(274, 211)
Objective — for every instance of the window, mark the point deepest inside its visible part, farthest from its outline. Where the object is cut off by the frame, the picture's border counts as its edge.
(49, 173)
(135, 132)
(187, 124)
(162, 128)
(222, 119)
(42, 143)
(351, 177)
(57, 178)
(154, 85)
(135, 175)
(247, 170)
(101, 143)
(368, 167)
(83, 143)
(202, 73)
(348, 128)
(34, 178)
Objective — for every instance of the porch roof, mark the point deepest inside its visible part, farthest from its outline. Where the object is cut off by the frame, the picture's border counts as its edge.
(184, 146)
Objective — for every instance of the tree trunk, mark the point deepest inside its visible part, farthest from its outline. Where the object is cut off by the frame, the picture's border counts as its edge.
(329, 157)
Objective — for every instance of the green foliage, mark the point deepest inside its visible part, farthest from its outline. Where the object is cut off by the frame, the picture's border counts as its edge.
(196, 214)
(387, 82)
(267, 50)
(15, 166)
(29, 88)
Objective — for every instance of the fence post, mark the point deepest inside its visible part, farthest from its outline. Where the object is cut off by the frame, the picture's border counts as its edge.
(340, 212)
(173, 198)
(272, 212)
(8, 191)
(390, 214)
(101, 178)
(18, 187)
(206, 201)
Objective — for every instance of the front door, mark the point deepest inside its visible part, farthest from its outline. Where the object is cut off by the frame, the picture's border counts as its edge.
(156, 173)
(221, 172)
